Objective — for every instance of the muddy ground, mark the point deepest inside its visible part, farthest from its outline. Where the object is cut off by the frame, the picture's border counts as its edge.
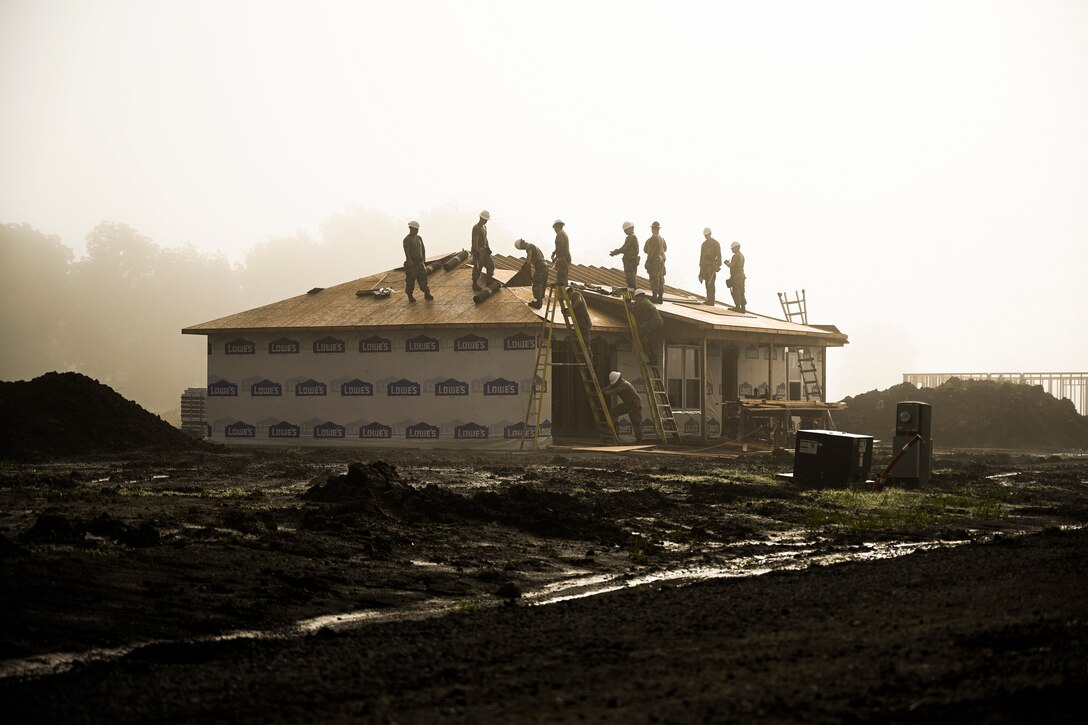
(566, 585)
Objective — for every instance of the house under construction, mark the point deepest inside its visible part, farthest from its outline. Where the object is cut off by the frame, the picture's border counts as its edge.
(343, 366)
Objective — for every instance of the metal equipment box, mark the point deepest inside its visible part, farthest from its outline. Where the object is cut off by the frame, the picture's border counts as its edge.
(831, 457)
(912, 418)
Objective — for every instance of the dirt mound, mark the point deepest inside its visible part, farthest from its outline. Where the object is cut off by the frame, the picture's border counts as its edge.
(974, 414)
(375, 491)
(60, 415)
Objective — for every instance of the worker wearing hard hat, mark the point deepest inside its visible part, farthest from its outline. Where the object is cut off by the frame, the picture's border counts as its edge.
(561, 254)
(629, 250)
(538, 268)
(581, 314)
(415, 264)
(710, 261)
(655, 262)
(481, 253)
(736, 278)
(631, 403)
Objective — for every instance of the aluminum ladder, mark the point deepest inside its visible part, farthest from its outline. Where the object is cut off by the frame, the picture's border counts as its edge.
(656, 394)
(796, 310)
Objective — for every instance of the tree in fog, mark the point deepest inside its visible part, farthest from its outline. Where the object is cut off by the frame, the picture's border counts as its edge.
(35, 296)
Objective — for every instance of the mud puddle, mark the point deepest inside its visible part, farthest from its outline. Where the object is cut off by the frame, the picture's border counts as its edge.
(574, 584)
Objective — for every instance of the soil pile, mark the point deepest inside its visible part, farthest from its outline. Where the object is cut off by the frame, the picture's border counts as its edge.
(66, 414)
(974, 414)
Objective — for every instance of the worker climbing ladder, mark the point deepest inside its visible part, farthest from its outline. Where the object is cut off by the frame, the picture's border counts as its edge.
(796, 310)
(656, 394)
(557, 297)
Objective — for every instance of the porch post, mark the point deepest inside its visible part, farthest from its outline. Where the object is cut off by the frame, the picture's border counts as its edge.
(702, 391)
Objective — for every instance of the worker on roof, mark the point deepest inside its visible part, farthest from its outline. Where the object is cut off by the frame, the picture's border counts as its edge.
(630, 402)
(481, 253)
(736, 278)
(710, 261)
(538, 268)
(649, 323)
(629, 250)
(561, 254)
(581, 313)
(655, 262)
(415, 263)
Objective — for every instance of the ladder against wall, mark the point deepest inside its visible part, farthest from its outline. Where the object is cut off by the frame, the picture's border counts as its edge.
(657, 396)
(796, 310)
(558, 298)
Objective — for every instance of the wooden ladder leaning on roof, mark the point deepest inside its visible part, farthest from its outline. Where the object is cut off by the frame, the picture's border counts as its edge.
(796, 310)
(656, 395)
(557, 296)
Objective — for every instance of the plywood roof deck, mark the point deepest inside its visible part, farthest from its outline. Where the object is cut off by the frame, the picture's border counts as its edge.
(339, 308)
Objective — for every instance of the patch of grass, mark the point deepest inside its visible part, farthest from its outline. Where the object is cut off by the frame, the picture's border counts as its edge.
(895, 509)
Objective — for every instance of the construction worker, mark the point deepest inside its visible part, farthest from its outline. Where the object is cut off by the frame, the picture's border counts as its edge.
(538, 268)
(710, 261)
(736, 278)
(649, 324)
(655, 262)
(415, 263)
(561, 255)
(629, 250)
(581, 313)
(481, 253)
(630, 402)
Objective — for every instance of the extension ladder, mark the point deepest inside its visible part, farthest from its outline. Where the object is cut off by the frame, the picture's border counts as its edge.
(598, 406)
(796, 310)
(656, 394)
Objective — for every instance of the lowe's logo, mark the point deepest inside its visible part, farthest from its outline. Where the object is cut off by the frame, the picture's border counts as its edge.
(356, 387)
(240, 347)
(376, 430)
(469, 343)
(518, 430)
(223, 389)
(283, 429)
(240, 430)
(311, 388)
(451, 387)
(283, 346)
(500, 386)
(421, 431)
(691, 426)
(470, 431)
(329, 430)
(266, 389)
(403, 387)
(329, 344)
(713, 428)
(375, 344)
(520, 341)
(421, 343)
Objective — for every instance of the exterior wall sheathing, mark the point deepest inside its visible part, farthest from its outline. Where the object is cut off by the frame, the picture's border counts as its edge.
(455, 388)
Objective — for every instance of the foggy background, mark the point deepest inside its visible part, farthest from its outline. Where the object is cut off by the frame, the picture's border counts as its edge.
(920, 168)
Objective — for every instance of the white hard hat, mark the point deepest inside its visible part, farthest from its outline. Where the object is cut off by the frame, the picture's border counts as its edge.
(706, 231)
(628, 225)
(734, 245)
(640, 293)
(557, 221)
(520, 244)
(485, 215)
(613, 377)
(413, 225)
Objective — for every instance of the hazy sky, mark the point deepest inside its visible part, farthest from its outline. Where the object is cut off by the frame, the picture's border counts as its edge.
(920, 168)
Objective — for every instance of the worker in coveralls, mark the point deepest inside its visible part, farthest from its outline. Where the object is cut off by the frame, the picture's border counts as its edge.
(581, 313)
(736, 278)
(629, 250)
(630, 403)
(415, 263)
(481, 253)
(561, 255)
(538, 268)
(655, 262)
(710, 261)
(649, 324)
